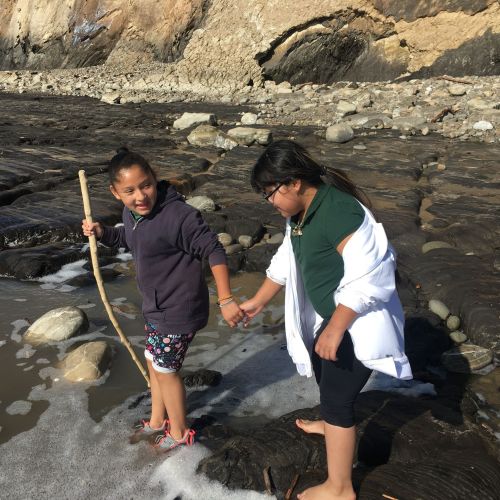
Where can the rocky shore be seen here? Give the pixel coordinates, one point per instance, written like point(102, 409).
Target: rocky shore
point(425, 151)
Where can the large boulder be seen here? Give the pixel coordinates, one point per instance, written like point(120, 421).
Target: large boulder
point(189, 119)
point(88, 362)
point(56, 325)
point(206, 135)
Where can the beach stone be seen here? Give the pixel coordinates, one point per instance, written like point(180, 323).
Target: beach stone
point(453, 322)
point(249, 118)
point(458, 337)
point(374, 123)
point(202, 203)
point(189, 119)
point(87, 362)
point(482, 125)
point(206, 135)
point(439, 308)
point(433, 245)
point(457, 90)
point(247, 135)
point(111, 98)
point(341, 132)
point(478, 104)
point(202, 377)
point(232, 249)
point(225, 239)
point(345, 108)
point(56, 325)
point(275, 239)
point(245, 241)
point(408, 122)
point(466, 358)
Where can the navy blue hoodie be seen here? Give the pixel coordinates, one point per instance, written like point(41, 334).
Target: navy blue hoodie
point(168, 247)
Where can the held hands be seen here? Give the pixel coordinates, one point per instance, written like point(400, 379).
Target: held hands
point(251, 308)
point(328, 343)
point(232, 313)
point(92, 228)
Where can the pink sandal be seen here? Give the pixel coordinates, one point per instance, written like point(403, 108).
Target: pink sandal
point(167, 442)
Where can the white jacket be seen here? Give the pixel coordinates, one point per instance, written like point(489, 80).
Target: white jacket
point(368, 287)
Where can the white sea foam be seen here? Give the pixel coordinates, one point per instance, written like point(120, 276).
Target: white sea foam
point(177, 477)
point(19, 408)
point(18, 325)
point(66, 272)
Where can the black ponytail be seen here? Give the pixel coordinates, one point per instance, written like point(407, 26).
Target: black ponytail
point(285, 161)
point(125, 159)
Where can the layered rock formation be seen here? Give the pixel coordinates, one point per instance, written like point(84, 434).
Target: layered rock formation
point(231, 44)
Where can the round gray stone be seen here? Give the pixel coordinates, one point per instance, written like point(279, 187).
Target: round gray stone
point(56, 325)
point(245, 241)
point(340, 132)
point(433, 245)
point(225, 239)
point(439, 308)
point(87, 362)
point(202, 203)
point(453, 322)
point(458, 337)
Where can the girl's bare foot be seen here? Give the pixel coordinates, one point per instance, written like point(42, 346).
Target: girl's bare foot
point(311, 426)
point(326, 491)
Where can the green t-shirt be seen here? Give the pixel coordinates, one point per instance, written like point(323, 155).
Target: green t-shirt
point(331, 217)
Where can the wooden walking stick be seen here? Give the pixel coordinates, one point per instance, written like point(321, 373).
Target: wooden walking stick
point(98, 277)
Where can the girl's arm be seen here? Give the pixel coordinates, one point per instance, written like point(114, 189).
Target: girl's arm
point(228, 306)
point(342, 318)
point(266, 292)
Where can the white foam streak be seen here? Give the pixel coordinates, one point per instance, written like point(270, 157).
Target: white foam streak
point(66, 272)
point(177, 475)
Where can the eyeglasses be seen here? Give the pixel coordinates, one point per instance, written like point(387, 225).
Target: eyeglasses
point(268, 196)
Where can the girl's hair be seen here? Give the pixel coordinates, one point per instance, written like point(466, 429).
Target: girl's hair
point(285, 161)
point(124, 159)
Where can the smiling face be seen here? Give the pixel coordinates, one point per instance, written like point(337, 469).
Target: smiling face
point(136, 189)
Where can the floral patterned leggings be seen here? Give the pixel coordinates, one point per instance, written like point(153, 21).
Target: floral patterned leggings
point(166, 351)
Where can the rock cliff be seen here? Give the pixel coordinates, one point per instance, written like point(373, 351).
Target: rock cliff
point(233, 43)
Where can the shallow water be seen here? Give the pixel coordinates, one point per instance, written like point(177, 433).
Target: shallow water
point(45, 418)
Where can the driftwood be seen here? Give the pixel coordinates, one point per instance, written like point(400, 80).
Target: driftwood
point(98, 277)
point(442, 114)
point(455, 80)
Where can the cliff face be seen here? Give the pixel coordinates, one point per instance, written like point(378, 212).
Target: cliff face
point(75, 33)
point(230, 43)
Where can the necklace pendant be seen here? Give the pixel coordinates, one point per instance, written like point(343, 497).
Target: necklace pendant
point(297, 231)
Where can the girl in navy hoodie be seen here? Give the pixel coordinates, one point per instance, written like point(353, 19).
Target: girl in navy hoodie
point(168, 240)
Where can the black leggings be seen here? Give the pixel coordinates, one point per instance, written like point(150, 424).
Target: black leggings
point(339, 382)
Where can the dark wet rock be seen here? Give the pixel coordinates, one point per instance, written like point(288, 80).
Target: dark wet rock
point(216, 221)
point(88, 279)
point(202, 377)
point(259, 257)
point(237, 163)
point(397, 436)
point(103, 260)
point(425, 339)
point(25, 263)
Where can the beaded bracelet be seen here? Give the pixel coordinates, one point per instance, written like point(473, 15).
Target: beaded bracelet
point(219, 300)
point(226, 303)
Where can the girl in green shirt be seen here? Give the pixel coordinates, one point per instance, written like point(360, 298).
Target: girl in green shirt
point(323, 210)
